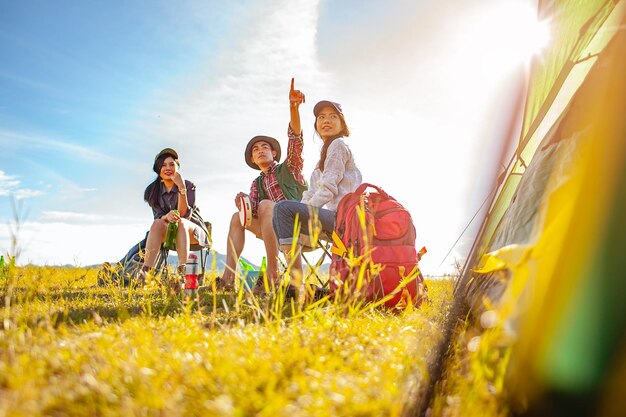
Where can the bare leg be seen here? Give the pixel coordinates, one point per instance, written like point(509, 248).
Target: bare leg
point(182, 242)
point(234, 247)
point(266, 211)
point(191, 227)
point(296, 266)
point(156, 236)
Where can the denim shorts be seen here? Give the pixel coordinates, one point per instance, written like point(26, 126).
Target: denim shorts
point(285, 217)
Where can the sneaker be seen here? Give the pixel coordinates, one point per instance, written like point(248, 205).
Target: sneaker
point(222, 285)
point(320, 292)
point(175, 282)
point(259, 287)
point(175, 285)
point(144, 278)
point(290, 292)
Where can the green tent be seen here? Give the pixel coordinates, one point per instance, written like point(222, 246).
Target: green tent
point(551, 254)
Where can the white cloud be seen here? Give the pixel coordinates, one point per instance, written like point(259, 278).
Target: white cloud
point(14, 140)
point(242, 92)
point(60, 243)
point(10, 186)
point(72, 217)
point(26, 193)
point(7, 183)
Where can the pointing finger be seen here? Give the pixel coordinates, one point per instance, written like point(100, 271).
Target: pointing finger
point(292, 84)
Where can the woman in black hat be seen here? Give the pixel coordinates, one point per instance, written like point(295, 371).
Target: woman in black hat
point(169, 192)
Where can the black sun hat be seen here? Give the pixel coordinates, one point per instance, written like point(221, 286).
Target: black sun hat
point(271, 141)
point(166, 151)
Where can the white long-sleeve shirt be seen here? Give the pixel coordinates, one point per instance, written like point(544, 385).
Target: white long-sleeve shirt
point(340, 177)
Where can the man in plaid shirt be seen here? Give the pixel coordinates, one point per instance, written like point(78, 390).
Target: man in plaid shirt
point(277, 182)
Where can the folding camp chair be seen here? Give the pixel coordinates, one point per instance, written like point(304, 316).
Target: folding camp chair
point(124, 271)
point(323, 243)
point(203, 251)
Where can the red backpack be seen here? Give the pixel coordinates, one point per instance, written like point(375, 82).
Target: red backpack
point(374, 250)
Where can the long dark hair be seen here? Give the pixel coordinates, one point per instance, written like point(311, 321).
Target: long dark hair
point(154, 189)
point(345, 132)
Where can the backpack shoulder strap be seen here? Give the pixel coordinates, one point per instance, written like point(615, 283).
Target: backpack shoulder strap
point(347, 203)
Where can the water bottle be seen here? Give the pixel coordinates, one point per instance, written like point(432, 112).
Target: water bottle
point(248, 273)
point(245, 265)
point(170, 236)
point(263, 268)
point(191, 275)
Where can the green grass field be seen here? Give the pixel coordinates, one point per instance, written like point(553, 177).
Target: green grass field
point(70, 348)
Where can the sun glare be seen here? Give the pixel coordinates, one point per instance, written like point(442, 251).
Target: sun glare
point(528, 35)
point(511, 33)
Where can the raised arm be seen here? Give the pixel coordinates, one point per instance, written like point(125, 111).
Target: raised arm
point(296, 97)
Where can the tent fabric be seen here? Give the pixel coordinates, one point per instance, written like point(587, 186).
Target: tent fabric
point(579, 275)
point(521, 215)
point(580, 31)
point(597, 232)
point(556, 231)
point(520, 223)
point(569, 274)
point(573, 25)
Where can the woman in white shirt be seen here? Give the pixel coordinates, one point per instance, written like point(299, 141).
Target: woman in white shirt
point(335, 175)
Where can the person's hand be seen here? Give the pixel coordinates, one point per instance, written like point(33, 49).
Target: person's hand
point(179, 180)
point(237, 201)
point(296, 97)
point(172, 217)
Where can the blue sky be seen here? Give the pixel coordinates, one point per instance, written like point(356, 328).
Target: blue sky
point(90, 91)
point(77, 74)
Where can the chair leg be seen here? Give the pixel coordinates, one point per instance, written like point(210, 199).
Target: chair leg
point(283, 265)
point(326, 249)
point(204, 256)
point(313, 271)
point(319, 263)
point(161, 262)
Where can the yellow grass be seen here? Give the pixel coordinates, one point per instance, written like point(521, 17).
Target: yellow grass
point(68, 347)
point(473, 381)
